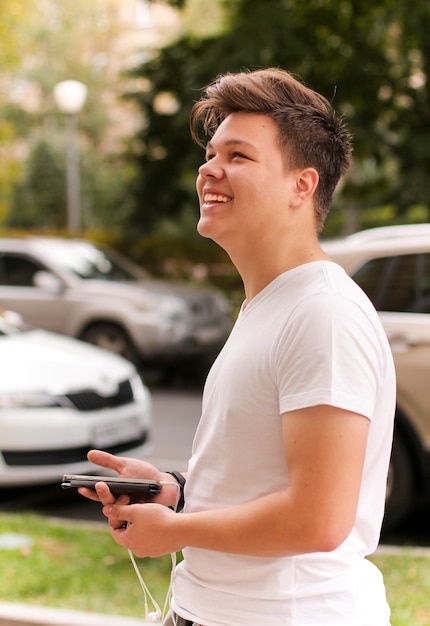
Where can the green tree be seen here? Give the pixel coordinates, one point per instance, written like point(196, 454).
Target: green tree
point(62, 40)
point(370, 59)
point(40, 199)
point(14, 18)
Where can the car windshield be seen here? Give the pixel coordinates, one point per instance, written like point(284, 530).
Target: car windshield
point(91, 262)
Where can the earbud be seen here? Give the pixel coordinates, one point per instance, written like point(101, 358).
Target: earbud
point(155, 616)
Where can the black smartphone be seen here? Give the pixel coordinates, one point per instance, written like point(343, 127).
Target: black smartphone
point(118, 486)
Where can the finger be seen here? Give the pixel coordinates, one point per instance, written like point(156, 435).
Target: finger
point(104, 494)
point(89, 493)
point(120, 525)
point(119, 516)
point(105, 459)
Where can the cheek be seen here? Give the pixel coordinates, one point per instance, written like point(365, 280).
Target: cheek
point(199, 185)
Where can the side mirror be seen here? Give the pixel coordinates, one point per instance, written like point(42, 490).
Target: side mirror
point(12, 317)
point(47, 280)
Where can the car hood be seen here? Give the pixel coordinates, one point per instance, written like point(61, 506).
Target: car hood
point(38, 360)
point(156, 289)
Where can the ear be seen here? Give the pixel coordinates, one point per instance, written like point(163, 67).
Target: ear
point(305, 185)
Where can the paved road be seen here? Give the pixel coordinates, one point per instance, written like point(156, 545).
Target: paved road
point(176, 414)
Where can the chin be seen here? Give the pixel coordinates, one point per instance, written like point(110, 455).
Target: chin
point(213, 229)
point(204, 228)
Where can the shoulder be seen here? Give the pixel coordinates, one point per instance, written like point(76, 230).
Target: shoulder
point(328, 292)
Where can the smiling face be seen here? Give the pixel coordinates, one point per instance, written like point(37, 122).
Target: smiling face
point(244, 187)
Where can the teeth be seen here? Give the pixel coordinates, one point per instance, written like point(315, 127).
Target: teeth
point(214, 197)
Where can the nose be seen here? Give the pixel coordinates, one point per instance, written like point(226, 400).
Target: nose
point(210, 168)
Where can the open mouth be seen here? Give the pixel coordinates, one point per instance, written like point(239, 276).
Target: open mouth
point(215, 197)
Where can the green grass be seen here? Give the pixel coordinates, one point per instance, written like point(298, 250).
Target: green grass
point(75, 566)
point(78, 566)
point(407, 580)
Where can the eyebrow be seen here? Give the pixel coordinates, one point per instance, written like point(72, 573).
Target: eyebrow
point(232, 142)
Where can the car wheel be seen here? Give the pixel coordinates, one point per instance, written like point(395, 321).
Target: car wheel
point(400, 484)
point(111, 337)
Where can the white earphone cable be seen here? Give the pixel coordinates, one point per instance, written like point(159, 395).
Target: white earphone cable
point(158, 615)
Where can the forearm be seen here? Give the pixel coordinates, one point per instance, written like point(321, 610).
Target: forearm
point(279, 524)
point(273, 525)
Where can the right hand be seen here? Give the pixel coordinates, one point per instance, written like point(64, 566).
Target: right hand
point(124, 466)
point(127, 467)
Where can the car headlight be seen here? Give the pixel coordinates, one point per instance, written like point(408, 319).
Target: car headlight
point(21, 399)
point(140, 392)
point(168, 306)
point(172, 307)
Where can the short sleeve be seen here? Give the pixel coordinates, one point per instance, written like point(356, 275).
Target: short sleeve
point(329, 353)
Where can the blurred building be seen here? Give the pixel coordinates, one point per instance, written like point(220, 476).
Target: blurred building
point(95, 42)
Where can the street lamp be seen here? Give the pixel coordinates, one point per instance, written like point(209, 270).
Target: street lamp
point(70, 96)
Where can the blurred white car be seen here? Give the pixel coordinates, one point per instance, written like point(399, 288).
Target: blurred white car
point(60, 397)
point(77, 288)
point(392, 265)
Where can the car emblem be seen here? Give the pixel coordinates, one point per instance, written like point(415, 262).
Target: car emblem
point(107, 387)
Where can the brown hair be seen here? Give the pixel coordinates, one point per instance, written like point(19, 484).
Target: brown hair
point(310, 133)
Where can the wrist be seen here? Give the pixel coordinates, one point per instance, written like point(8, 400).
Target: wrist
point(180, 479)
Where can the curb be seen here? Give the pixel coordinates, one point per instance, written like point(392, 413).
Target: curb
point(12, 614)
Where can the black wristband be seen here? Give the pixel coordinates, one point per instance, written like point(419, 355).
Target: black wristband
point(181, 482)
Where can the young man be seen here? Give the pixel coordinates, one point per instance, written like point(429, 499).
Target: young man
point(286, 483)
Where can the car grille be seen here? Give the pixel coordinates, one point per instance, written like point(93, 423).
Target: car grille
point(63, 456)
point(93, 401)
point(203, 307)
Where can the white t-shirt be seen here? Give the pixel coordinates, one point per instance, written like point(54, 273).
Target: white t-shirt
point(310, 337)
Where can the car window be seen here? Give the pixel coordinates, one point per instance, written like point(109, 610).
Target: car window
point(398, 283)
point(90, 262)
point(17, 270)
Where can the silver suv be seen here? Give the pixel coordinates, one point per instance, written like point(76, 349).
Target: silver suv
point(77, 288)
point(392, 265)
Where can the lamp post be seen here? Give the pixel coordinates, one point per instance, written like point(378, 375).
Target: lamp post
point(70, 96)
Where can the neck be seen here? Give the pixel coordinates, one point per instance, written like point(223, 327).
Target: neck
point(265, 263)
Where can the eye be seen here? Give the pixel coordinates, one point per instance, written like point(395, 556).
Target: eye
point(238, 155)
